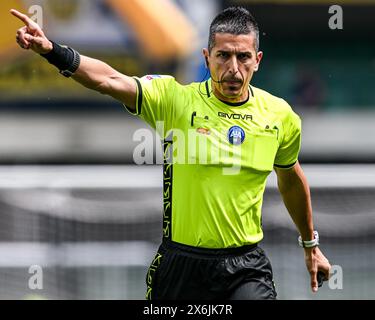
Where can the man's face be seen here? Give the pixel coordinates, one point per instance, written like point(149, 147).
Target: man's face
point(232, 63)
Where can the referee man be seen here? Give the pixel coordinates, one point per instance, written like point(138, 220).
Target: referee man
point(212, 217)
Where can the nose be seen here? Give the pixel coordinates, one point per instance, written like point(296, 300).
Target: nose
point(233, 65)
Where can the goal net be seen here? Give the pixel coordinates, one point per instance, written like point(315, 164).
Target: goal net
point(93, 230)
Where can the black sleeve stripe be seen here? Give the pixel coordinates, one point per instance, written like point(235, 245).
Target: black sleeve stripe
point(138, 106)
point(285, 166)
point(140, 96)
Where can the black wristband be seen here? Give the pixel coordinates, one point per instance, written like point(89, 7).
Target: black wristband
point(66, 59)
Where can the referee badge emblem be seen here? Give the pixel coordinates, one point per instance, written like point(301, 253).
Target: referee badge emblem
point(204, 131)
point(236, 135)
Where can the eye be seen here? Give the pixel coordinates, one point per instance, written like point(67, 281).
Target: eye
point(243, 56)
point(223, 55)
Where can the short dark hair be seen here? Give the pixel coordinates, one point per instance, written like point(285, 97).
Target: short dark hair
point(233, 20)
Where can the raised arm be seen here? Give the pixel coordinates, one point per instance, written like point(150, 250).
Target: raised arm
point(93, 74)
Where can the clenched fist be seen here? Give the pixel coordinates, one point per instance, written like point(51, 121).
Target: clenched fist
point(31, 35)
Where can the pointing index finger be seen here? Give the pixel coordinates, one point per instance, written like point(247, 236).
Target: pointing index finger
point(24, 18)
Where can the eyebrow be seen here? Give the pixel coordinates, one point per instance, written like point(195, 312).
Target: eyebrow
point(239, 52)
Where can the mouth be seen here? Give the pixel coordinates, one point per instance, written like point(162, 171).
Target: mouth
point(233, 85)
point(233, 82)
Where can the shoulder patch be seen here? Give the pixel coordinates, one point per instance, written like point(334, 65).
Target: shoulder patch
point(151, 77)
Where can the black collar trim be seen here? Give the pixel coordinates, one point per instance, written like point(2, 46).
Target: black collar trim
point(233, 104)
point(236, 104)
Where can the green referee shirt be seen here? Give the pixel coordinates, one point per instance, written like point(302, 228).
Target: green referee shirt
point(222, 155)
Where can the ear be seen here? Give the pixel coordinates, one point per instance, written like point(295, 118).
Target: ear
point(259, 58)
point(206, 57)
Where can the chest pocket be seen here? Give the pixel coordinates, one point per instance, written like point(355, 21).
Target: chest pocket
point(201, 142)
point(262, 148)
point(257, 151)
point(203, 122)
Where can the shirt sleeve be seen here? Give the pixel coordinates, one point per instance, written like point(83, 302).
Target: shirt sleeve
point(287, 154)
point(155, 95)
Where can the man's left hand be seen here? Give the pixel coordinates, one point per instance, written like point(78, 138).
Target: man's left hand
point(316, 262)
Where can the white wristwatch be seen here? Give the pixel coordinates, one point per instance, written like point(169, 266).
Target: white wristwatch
point(309, 243)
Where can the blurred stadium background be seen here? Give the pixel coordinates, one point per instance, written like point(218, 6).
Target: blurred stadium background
point(73, 201)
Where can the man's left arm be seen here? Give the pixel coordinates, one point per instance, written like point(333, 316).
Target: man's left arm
point(295, 192)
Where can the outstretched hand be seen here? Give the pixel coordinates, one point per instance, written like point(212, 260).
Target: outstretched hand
point(31, 35)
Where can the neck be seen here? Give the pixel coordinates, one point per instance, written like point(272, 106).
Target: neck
point(236, 104)
point(243, 98)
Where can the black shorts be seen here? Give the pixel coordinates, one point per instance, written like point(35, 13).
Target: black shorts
point(181, 272)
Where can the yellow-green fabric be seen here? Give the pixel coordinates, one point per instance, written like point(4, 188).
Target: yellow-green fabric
point(216, 189)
